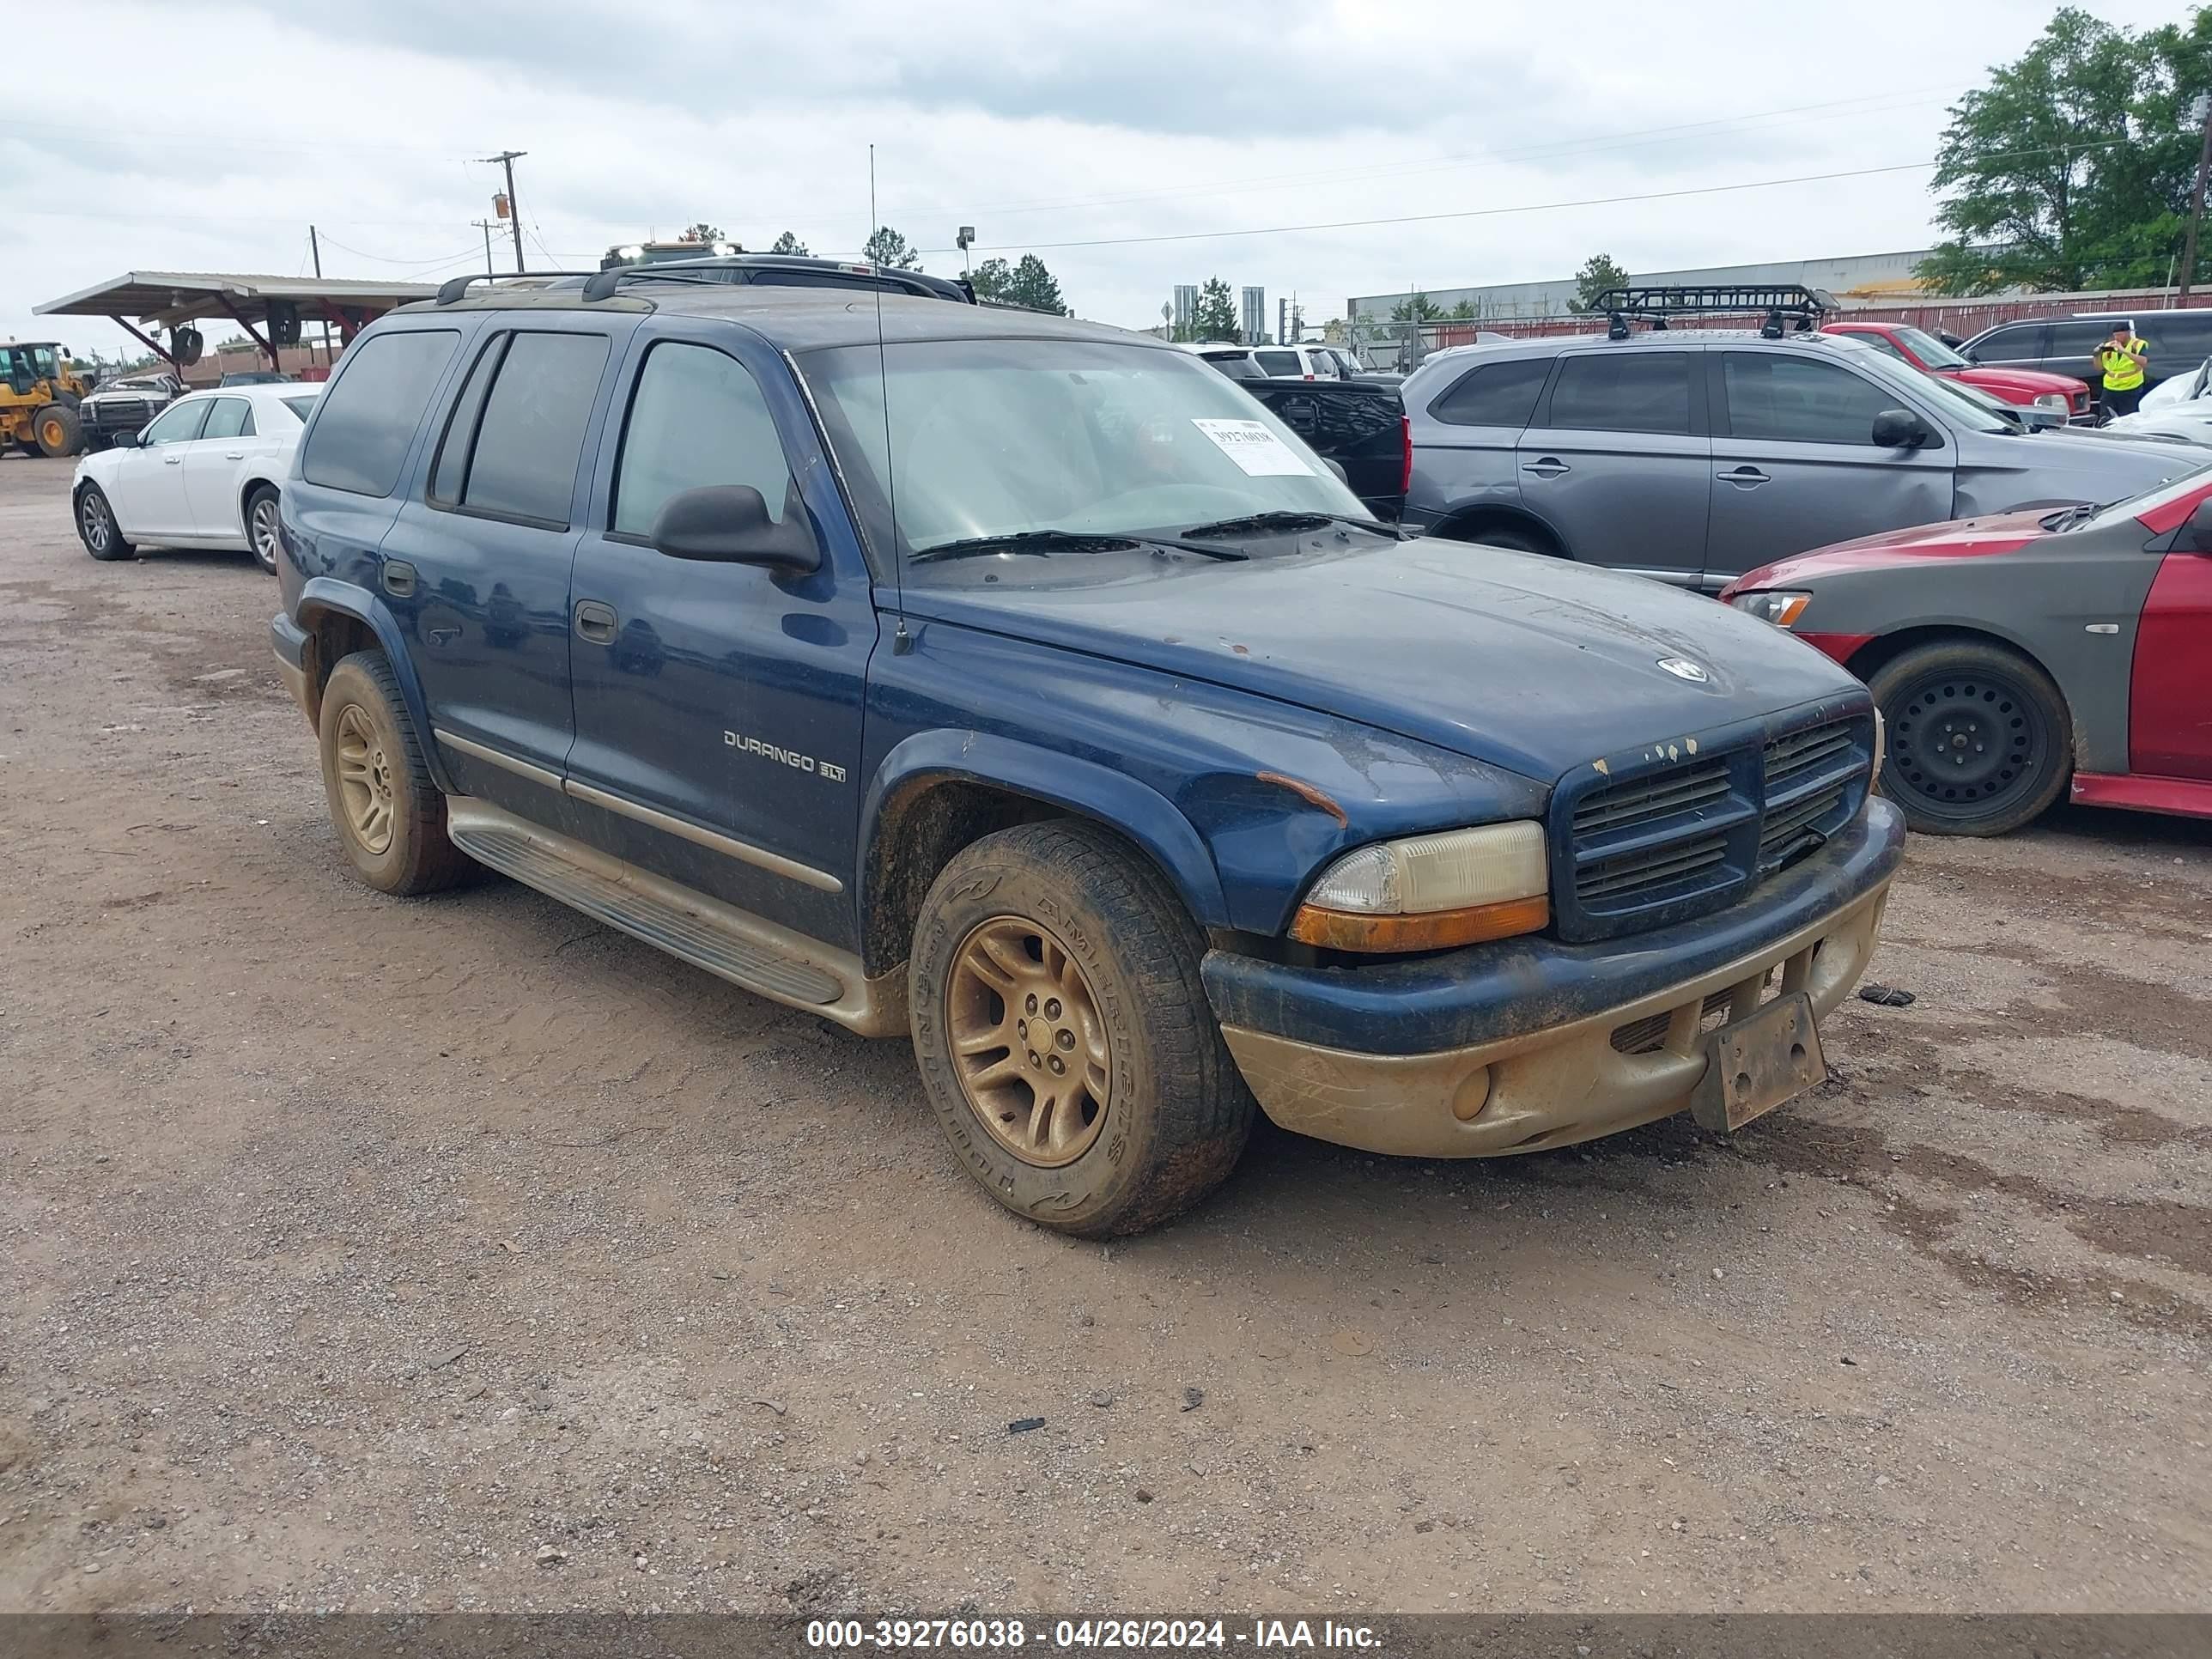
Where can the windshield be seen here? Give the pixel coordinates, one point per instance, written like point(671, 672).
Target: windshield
point(1931, 351)
point(1004, 437)
point(1951, 402)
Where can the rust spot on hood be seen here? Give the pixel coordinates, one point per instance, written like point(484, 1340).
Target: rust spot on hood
point(1306, 792)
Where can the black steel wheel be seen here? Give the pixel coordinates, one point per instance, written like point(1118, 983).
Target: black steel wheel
point(1979, 739)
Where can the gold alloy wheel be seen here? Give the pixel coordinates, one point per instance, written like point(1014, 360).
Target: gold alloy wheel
point(1028, 1044)
point(364, 781)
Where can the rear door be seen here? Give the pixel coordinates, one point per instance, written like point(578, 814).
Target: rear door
point(477, 565)
point(719, 705)
point(2170, 696)
point(1795, 464)
point(148, 487)
point(1618, 461)
point(2072, 349)
point(212, 461)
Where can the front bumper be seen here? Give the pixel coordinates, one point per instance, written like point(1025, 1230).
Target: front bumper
point(1526, 1044)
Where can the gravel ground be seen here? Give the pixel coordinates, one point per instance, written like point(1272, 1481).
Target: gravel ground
point(463, 1253)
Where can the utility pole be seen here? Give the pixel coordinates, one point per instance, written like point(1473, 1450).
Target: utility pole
point(2197, 199)
point(506, 159)
point(315, 248)
point(486, 226)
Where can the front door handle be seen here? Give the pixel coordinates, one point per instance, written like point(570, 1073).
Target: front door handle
point(398, 578)
point(1749, 476)
point(1550, 466)
point(595, 621)
point(173, 460)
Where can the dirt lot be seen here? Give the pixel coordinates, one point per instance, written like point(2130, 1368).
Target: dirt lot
point(354, 1251)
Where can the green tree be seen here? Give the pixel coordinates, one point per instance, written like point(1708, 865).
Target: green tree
point(992, 279)
point(1036, 288)
point(1463, 312)
point(1416, 308)
point(887, 248)
point(788, 243)
point(703, 232)
point(1599, 272)
point(1215, 319)
point(2072, 167)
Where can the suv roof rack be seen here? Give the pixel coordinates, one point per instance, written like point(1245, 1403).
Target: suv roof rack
point(1777, 302)
point(765, 269)
point(451, 290)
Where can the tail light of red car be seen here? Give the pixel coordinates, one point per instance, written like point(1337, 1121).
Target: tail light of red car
point(1405, 455)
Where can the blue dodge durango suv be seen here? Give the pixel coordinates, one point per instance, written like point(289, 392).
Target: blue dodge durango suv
point(1023, 688)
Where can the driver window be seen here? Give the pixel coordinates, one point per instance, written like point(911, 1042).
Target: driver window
point(180, 424)
point(697, 418)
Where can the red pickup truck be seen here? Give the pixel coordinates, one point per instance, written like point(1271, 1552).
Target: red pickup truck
point(2030, 388)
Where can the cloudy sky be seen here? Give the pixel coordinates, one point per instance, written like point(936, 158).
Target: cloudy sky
point(1133, 144)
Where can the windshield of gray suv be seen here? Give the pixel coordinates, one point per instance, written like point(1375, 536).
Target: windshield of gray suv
point(1069, 443)
point(1949, 401)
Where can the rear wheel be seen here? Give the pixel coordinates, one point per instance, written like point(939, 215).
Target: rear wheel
point(1064, 1037)
point(1518, 538)
point(95, 526)
point(1979, 739)
point(58, 430)
point(390, 816)
point(261, 526)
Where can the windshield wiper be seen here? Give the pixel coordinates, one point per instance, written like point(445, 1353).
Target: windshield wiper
point(1042, 542)
point(1265, 524)
point(2067, 517)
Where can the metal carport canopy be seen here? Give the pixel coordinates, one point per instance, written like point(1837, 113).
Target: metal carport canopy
point(170, 299)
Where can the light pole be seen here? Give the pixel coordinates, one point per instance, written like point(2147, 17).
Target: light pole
point(966, 240)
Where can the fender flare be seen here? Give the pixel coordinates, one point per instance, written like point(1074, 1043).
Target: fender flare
point(1509, 512)
point(1087, 788)
point(327, 593)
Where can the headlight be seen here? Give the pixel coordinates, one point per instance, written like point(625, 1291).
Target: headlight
point(1454, 888)
point(1779, 608)
point(2052, 400)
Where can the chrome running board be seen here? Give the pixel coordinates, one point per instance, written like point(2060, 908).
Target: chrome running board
point(729, 943)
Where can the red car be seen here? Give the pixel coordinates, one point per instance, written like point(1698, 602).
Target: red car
point(2012, 656)
point(2031, 388)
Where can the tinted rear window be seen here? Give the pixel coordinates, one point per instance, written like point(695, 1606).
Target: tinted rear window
point(1279, 362)
point(1495, 394)
point(371, 411)
point(523, 465)
point(1632, 390)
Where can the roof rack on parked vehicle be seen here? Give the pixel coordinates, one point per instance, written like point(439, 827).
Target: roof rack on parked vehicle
point(454, 289)
point(1779, 302)
point(769, 268)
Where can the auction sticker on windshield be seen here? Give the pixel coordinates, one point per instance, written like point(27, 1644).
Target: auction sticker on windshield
point(1254, 449)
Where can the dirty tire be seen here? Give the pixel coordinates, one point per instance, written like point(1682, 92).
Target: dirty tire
point(1177, 1114)
point(96, 528)
point(261, 526)
point(1980, 739)
point(58, 430)
point(403, 849)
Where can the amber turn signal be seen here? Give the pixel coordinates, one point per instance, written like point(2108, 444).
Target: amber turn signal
point(1430, 930)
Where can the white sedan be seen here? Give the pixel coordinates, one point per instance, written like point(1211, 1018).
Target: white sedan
point(204, 472)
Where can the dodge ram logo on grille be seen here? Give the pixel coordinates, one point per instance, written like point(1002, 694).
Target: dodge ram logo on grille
point(1683, 669)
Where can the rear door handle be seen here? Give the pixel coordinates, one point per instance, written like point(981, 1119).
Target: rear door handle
point(233, 454)
point(1748, 477)
point(595, 621)
point(1550, 466)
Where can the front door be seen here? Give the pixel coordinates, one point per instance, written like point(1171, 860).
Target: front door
point(1795, 464)
point(718, 706)
point(1618, 461)
point(2170, 697)
point(149, 488)
point(476, 567)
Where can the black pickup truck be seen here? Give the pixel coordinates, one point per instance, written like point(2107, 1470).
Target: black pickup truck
point(1358, 424)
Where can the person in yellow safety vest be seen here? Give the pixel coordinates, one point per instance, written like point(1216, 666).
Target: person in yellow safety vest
point(2121, 360)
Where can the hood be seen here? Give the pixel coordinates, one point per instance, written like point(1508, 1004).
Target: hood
point(1533, 664)
point(2034, 381)
point(2001, 471)
point(1961, 538)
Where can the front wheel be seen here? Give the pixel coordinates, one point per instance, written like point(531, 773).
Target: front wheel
point(1064, 1036)
point(261, 527)
point(96, 527)
point(1980, 742)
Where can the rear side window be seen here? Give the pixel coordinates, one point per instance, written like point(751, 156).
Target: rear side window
point(1794, 400)
point(2011, 344)
point(522, 464)
point(1633, 391)
point(1495, 394)
point(1273, 363)
point(697, 418)
point(230, 417)
point(371, 409)
point(301, 407)
point(2188, 335)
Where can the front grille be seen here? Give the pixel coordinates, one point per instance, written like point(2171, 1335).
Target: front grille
point(1646, 840)
point(121, 414)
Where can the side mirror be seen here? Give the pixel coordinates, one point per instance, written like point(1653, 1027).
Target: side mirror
point(1949, 338)
point(729, 524)
point(1897, 428)
point(2197, 534)
point(130, 440)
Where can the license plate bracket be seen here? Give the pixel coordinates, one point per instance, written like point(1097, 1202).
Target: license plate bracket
point(1755, 1063)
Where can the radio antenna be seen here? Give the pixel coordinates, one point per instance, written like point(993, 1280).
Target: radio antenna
point(901, 641)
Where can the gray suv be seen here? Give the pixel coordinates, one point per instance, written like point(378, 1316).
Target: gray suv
point(1695, 456)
